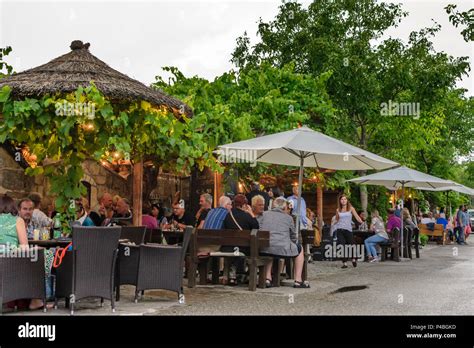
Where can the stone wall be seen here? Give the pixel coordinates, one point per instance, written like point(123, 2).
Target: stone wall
point(13, 180)
point(15, 183)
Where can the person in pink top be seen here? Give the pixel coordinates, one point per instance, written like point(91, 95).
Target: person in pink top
point(393, 220)
point(148, 220)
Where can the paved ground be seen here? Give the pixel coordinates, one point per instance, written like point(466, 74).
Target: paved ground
point(427, 286)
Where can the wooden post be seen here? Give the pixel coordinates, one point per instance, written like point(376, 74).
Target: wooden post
point(137, 192)
point(319, 205)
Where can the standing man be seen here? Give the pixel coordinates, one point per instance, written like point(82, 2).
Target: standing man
point(302, 211)
point(460, 222)
point(205, 204)
point(255, 190)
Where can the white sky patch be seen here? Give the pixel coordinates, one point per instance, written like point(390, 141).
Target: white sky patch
point(138, 38)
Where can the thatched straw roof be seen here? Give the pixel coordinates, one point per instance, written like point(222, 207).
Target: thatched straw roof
point(78, 68)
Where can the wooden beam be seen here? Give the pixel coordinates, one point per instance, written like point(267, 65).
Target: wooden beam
point(319, 205)
point(137, 192)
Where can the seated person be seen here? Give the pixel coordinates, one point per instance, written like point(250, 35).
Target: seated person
point(122, 213)
point(441, 221)
point(240, 217)
point(427, 219)
point(148, 220)
point(13, 236)
point(181, 217)
point(283, 240)
point(82, 216)
point(380, 236)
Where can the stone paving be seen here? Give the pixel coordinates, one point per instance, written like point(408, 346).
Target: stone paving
point(429, 285)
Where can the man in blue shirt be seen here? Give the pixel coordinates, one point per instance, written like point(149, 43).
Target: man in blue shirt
point(215, 218)
point(302, 212)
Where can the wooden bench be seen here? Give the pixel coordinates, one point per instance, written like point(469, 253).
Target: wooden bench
point(255, 240)
point(393, 244)
point(439, 231)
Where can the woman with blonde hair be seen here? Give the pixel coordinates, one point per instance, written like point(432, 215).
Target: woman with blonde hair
point(380, 236)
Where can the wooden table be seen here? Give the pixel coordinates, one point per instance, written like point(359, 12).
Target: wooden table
point(361, 236)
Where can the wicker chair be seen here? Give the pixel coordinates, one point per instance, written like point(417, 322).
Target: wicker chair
point(88, 271)
point(22, 278)
point(161, 267)
point(135, 234)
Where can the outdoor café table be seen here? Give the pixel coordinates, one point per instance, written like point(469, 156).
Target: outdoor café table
point(173, 237)
point(51, 243)
point(361, 235)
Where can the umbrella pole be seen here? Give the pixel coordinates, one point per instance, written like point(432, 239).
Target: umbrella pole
point(401, 215)
point(402, 258)
point(300, 189)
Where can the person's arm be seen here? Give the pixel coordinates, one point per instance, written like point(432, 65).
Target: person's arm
point(293, 235)
point(248, 210)
point(254, 223)
point(43, 219)
point(201, 224)
point(21, 233)
point(354, 214)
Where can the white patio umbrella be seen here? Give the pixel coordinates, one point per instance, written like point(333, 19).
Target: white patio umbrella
point(403, 177)
point(302, 147)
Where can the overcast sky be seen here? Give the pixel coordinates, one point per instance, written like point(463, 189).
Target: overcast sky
point(198, 37)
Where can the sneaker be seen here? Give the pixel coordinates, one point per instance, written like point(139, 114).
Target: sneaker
point(374, 260)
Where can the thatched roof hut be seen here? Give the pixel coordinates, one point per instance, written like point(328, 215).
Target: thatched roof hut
point(78, 68)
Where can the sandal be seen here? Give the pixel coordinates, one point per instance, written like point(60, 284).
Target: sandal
point(268, 283)
point(301, 285)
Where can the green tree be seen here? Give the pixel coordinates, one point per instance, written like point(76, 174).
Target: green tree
point(62, 140)
point(345, 37)
point(465, 18)
point(257, 101)
point(5, 68)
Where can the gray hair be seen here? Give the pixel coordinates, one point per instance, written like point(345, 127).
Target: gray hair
point(207, 197)
point(223, 201)
point(257, 198)
point(280, 203)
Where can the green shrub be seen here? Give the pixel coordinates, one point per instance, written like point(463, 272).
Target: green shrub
point(423, 239)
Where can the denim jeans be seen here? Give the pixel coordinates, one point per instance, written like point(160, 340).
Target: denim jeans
point(459, 233)
point(371, 242)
